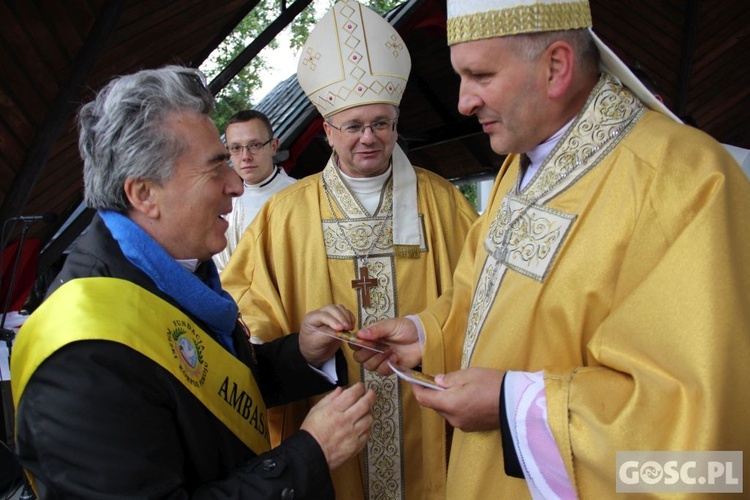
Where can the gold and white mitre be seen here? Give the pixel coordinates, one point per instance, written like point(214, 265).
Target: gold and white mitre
point(470, 20)
point(353, 57)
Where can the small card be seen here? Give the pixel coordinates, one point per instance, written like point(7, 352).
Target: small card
point(352, 339)
point(415, 377)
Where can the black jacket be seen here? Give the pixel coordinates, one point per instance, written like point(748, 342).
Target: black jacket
point(100, 420)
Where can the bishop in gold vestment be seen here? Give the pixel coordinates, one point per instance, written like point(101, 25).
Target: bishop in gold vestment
point(633, 302)
point(603, 295)
point(371, 232)
point(294, 257)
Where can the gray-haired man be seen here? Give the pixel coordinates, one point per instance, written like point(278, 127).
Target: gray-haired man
point(134, 378)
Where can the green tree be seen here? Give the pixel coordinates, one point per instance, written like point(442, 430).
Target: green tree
point(238, 94)
point(471, 193)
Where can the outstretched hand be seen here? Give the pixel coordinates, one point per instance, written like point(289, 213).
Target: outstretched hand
point(471, 401)
point(341, 422)
point(403, 341)
point(316, 347)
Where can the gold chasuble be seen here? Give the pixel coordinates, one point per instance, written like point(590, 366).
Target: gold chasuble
point(82, 309)
point(622, 271)
point(314, 244)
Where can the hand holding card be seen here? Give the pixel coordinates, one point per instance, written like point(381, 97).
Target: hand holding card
point(352, 339)
point(415, 377)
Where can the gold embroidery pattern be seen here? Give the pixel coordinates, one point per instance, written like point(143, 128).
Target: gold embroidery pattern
point(395, 45)
point(537, 232)
point(384, 454)
point(383, 296)
point(521, 19)
point(391, 85)
point(487, 286)
point(610, 112)
point(311, 59)
point(384, 466)
point(385, 207)
point(361, 233)
point(535, 236)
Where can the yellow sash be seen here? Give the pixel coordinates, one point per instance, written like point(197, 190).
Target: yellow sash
point(119, 311)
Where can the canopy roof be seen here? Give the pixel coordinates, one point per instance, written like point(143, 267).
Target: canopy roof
point(54, 55)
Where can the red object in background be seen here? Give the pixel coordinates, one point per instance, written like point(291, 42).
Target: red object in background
point(25, 276)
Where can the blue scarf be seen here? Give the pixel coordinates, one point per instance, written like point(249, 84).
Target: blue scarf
point(207, 301)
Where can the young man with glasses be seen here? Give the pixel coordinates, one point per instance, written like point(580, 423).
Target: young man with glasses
point(251, 146)
point(371, 232)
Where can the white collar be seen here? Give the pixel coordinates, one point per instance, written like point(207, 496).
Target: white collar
point(539, 153)
point(366, 185)
point(265, 181)
point(189, 264)
point(542, 151)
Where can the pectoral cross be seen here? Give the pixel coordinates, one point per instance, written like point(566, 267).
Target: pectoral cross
point(364, 283)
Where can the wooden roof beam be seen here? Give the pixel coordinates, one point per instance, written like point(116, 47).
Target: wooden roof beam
point(686, 59)
point(233, 68)
point(62, 107)
point(225, 32)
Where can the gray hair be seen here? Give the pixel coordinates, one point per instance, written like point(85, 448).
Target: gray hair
point(121, 134)
point(529, 46)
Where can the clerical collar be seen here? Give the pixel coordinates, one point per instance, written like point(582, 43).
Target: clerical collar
point(406, 221)
point(366, 185)
point(366, 190)
point(539, 153)
point(267, 180)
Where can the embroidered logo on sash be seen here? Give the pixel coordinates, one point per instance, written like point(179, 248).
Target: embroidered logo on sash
point(187, 348)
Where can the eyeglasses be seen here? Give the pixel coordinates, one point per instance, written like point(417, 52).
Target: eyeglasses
point(358, 128)
point(255, 147)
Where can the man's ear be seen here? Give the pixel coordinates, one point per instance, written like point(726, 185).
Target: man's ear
point(142, 197)
point(327, 129)
point(560, 58)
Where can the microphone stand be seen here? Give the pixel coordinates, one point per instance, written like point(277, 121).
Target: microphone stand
point(7, 334)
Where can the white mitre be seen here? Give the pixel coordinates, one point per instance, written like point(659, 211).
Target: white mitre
point(470, 20)
point(353, 57)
